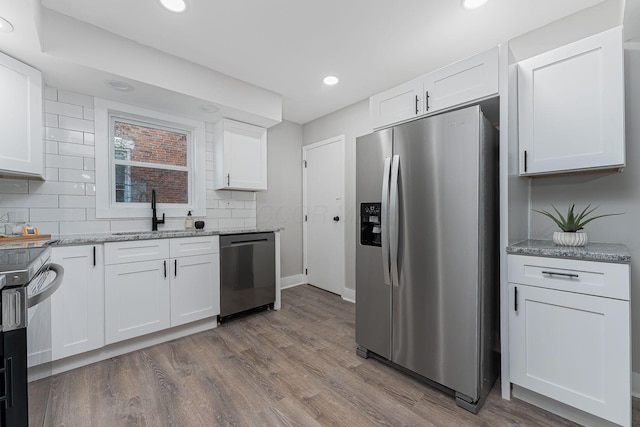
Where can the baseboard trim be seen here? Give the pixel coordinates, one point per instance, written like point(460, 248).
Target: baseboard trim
point(559, 408)
point(635, 384)
point(349, 294)
point(119, 348)
point(291, 281)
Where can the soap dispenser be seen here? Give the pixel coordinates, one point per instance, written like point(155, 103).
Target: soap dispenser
point(188, 223)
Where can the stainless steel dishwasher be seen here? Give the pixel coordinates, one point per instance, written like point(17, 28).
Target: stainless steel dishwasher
point(247, 272)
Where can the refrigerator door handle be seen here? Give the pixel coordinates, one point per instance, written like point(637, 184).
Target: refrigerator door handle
point(393, 219)
point(384, 211)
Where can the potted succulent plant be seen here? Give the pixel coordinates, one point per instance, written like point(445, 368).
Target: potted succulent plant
point(572, 225)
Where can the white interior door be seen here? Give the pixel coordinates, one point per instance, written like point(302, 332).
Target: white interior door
point(324, 214)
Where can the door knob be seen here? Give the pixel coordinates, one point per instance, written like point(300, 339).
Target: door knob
point(336, 218)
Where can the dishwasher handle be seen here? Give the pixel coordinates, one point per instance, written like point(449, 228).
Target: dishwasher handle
point(247, 242)
point(236, 240)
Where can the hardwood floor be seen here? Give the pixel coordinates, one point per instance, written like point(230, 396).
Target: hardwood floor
point(292, 367)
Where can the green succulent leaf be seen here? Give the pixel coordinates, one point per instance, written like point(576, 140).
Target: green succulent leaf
point(573, 222)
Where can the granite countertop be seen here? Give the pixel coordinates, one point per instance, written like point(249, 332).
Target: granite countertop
point(93, 238)
point(604, 252)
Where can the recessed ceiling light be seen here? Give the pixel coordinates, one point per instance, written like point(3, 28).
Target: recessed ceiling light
point(473, 4)
point(177, 6)
point(209, 108)
point(118, 85)
point(5, 26)
point(331, 80)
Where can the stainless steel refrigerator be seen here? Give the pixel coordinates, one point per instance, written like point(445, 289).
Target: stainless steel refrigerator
point(427, 252)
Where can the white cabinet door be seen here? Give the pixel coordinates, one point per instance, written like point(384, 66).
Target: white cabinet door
point(471, 79)
point(465, 81)
point(195, 288)
point(137, 299)
point(571, 107)
point(398, 104)
point(77, 307)
point(240, 152)
point(20, 119)
point(573, 348)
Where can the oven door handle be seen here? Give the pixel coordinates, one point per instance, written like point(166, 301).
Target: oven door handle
point(49, 290)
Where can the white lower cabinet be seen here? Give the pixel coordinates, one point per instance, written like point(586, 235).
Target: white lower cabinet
point(193, 294)
point(137, 299)
point(142, 297)
point(569, 346)
point(77, 307)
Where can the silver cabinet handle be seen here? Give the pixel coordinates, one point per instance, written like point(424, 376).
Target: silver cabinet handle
point(555, 273)
point(384, 211)
point(393, 220)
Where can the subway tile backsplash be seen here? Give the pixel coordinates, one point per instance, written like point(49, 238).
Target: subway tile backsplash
point(65, 202)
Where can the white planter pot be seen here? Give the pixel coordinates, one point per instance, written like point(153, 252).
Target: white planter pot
point(562, 238)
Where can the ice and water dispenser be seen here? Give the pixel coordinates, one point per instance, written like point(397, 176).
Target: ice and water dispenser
point(370, 231)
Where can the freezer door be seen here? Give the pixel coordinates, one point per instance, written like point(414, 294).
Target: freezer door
point(435, 303)
point(373, 295)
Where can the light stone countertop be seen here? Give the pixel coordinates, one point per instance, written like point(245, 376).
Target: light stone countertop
point(95, 238)
point(603, 252)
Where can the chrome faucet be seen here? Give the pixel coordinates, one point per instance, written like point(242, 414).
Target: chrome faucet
point(154, 219)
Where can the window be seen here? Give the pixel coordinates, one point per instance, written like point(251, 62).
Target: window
point(138, 151)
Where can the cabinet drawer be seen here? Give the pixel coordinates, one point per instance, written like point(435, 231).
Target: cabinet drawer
point(585, 277)
point(187, 246)
point(134, 251)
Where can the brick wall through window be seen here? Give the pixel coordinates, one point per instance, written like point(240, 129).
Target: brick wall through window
point(150, 145)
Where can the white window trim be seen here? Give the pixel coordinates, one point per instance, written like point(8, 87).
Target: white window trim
point(105, 195)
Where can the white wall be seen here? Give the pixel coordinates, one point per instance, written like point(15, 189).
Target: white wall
point(65, 203)
point(613, 192)
point(281, 204)
point(352, 121)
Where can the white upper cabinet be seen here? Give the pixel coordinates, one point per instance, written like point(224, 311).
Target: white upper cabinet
point(468, 80)
point(395, 105)
point(571, 107)
point(240, 156)
point(465, 81)
point(20, 119)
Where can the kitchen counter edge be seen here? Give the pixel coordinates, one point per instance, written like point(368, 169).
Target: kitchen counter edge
point(601, 252)
point(96, 238)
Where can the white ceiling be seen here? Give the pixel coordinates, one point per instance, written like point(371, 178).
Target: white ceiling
point(288, 46)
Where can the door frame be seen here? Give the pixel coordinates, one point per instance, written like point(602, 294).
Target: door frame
point(340, 139)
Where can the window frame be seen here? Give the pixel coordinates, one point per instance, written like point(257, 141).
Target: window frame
point(106, 114)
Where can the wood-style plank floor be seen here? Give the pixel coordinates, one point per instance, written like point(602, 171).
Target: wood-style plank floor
point(292, 367)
